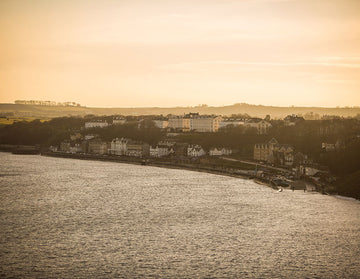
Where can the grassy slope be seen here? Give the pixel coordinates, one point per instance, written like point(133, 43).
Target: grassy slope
point(253, 110)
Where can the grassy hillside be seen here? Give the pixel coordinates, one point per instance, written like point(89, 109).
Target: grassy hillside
point(253, 110)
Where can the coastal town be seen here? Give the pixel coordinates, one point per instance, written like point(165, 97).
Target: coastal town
point(299, 151)
point(277, 164)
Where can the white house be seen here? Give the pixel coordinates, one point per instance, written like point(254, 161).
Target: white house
point(220, 151)
point(205, 123)
point(96, 124)
point(195, 151)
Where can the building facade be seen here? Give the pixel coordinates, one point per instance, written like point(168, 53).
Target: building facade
point(220, 151)
point(118, 146)
point(96, 124)
point(97, 146)
point(261, 126)
point(275, 153)
point(195, 151)
point(262, 151)
point(205, 123)
point(179, 123)
point(137, 149)
point(160, 151)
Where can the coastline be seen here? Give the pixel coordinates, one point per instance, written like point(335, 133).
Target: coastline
point(177, 164)
point(157, 163)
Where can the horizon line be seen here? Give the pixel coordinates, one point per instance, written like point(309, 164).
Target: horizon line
point(200, 105)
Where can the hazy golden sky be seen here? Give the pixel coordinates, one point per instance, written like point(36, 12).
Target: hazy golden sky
point(129, 53)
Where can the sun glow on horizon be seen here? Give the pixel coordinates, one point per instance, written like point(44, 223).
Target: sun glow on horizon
point(184, 53)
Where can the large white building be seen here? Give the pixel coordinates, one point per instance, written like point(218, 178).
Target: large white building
point(96, 124)
point(205, 123)
point(195, 122)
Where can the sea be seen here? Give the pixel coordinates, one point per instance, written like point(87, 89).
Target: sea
point(67, 218)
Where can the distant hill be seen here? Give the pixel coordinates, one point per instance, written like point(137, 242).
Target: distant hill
point(20, 110)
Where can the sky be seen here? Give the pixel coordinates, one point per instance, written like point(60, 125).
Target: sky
point(166, 53)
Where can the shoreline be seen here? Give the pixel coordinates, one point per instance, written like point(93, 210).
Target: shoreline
point(148, 162)
point(181, 166)
point(163, 164)
point(184, 166)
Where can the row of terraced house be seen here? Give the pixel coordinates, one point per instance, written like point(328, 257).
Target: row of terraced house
point(194, 122)
point(129, 147)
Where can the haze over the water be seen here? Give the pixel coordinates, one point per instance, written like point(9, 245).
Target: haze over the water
point(138, 53)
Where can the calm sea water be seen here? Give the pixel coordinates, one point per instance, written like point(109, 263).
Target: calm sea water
point(64, 218)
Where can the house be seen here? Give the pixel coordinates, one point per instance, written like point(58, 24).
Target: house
point(300, 158)
point(263, 150)
point(96, 146)
point(195, 151)
point(275, 153)
point(118, 146)
point(137, 149)
point(220, 151)
point(96, 124)
point(282, 154)
point(261, 126)
point(160, 151)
